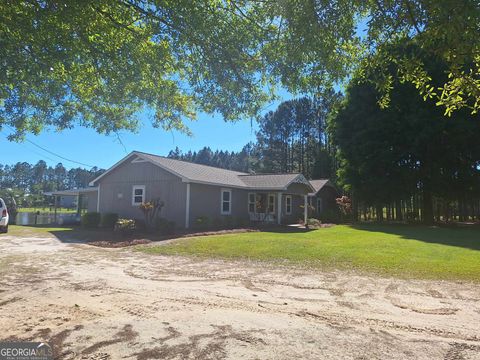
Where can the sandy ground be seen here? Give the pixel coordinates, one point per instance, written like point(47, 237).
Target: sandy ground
point(95, 303)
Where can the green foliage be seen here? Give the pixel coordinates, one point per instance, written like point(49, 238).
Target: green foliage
point(330, 216)
point(391, 154)
point(101, 63)
point(151, 210)
point(322, 45)
point(91, 219)
point(164, 226)
point(313, 223)
point(108, 220)
point(202, 222)
point(293, 138)
point(125, 226)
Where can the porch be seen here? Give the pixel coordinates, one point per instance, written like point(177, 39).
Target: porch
point(276, 207)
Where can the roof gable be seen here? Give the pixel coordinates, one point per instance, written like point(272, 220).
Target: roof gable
point(320, 184)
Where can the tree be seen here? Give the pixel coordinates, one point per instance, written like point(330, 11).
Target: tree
point(293, 138)
point(324, 42)
point(409, 149)
point(100, 64)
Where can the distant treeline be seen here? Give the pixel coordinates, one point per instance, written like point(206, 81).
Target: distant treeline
point(293, 138)
point(23, 179)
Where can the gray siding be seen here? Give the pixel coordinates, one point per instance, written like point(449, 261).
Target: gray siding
point(205, 200)
point(328, 194)
point(116, 190)
point(91, 199)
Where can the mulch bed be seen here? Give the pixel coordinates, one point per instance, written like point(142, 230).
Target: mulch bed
point(148, 238)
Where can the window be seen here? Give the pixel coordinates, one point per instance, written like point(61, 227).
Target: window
point(271, 203)
point(251, 203)
point(319, 205)
point(138, 195)
point(226, 201)
point(288, 204)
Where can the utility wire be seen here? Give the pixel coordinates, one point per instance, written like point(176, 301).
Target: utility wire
point(53, 153)
point(31, 150)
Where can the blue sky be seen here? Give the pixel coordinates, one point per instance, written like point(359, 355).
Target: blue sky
point(86, 146)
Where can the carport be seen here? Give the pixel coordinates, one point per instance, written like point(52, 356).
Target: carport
point(81, 194)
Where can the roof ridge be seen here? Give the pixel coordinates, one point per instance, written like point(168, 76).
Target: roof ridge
point(263, 174)
point(239, 173)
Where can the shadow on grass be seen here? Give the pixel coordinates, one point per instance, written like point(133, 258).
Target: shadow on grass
point(467, 236)
point(83, 235)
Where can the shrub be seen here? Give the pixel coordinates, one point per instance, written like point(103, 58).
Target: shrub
point(124, 226)
point(202, 222)
point(329, 216)
point(217, 223)
point(314, 223)
point(241, 222)
point(164, 226)
point(91, 219)
point(228, 222)
point(108, 220)
point(140, 224)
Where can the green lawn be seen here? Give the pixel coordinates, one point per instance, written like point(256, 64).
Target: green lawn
point(405, 251)
point(47, 210)
point(45, 231)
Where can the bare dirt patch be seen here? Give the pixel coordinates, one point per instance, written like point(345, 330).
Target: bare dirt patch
point(93, 303)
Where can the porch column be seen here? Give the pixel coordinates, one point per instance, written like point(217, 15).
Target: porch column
point(55, 210)
point(187, 208)
point(98, 199)
point(305, 208)
point(279, 208)
point(79, 204)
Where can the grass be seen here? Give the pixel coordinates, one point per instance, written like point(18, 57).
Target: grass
point(40, 231)
point(396, 250)
point(47, 210)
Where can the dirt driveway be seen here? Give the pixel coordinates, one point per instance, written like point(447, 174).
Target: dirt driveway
point(93, 303)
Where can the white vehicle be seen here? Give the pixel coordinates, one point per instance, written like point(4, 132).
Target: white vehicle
point(3, 217)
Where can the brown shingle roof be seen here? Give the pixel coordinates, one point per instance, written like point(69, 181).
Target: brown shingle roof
point(197, 173)
point(319, 184)
point(269, 181)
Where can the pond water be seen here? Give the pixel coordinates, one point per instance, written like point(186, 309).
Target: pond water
point(31, 218)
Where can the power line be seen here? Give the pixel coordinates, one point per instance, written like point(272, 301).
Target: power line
point(29, 149)
point(53, 153)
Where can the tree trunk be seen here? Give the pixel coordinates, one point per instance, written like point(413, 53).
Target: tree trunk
point(427, 207)
point(379, 211)
point(398, 210)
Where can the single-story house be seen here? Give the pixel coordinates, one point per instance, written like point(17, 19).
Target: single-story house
point(191, 192)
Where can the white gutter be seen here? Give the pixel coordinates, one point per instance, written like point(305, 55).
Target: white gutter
point(187, 208)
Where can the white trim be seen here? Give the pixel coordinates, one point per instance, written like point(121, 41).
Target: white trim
point(269, 203)
point(250, 203)
point(319, 202)
point(223, 190)
point(98, 199)
point(305, 209)
point(141, 158)
point(187, 208)
point(279, 208)
point(287, 198)
point(139, 155)
point(137, 187)
point(138, 160)
point(303, 180)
